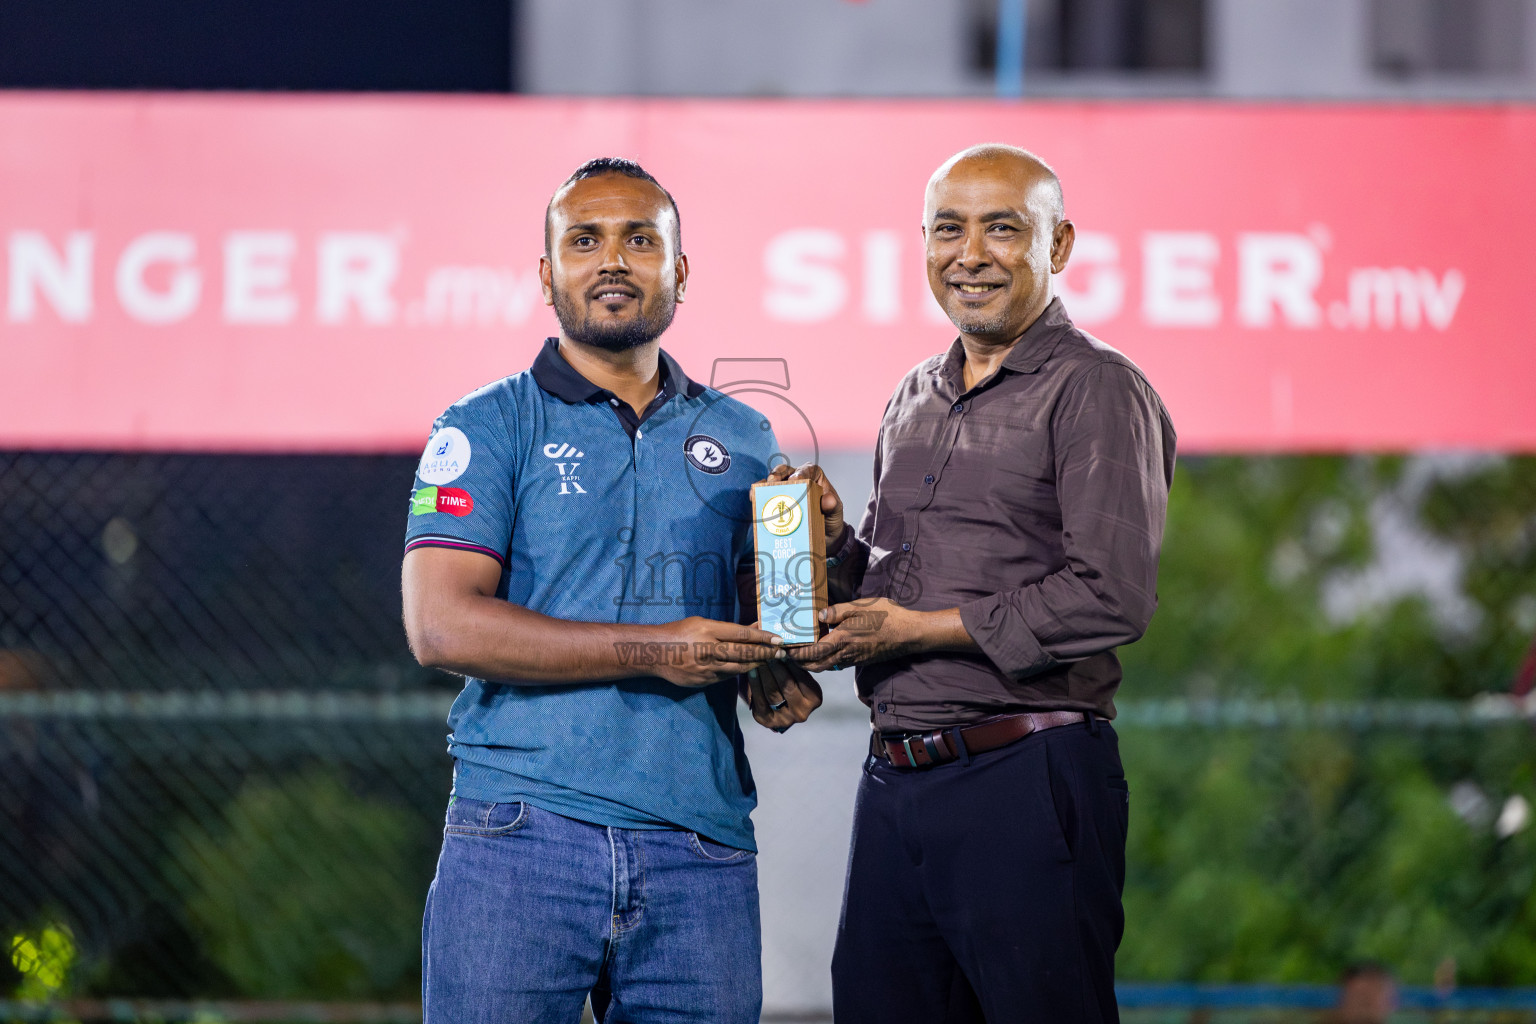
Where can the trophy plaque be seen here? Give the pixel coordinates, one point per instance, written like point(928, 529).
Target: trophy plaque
point(791, 549)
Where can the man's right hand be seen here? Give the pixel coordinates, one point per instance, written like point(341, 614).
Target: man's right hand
point(780, 694)
point(831, 504)
point(702, 652)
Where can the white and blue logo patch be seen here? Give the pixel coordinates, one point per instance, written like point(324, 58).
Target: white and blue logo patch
point(446, 457)
point(706, 454)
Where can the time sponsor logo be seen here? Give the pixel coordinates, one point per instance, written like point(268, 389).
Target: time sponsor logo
point(455, 501)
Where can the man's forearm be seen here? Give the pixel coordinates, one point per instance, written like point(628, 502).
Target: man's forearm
point(488, 638)
point(943, 631)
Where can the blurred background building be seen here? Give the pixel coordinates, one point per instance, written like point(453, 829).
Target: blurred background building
point(221, 772)
point(1216, 49)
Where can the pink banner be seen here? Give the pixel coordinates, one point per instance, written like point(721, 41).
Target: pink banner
point(260, 273)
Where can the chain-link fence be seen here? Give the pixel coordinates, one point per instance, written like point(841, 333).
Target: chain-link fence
point(219, 767)
point(171, 572)
point(222, 775)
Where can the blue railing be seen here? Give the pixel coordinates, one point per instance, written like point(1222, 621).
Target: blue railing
point(1145, 996)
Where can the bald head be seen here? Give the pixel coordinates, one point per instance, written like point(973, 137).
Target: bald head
point(994, 233)
point(1032, 174)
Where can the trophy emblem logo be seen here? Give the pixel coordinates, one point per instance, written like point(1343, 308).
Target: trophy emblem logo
point(783, 516)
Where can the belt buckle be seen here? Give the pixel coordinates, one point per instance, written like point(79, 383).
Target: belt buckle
point(931, 743)
point(937, 749)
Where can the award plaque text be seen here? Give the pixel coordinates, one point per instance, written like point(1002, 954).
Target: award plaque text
point(791, 559)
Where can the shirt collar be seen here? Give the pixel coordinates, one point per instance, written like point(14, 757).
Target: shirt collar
point(678, 379)
point(552, 373)
point(1037, 343)
point(1027, 355)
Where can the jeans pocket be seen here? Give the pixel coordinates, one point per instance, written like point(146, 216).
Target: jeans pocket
point(713, 851)
point(467, 817)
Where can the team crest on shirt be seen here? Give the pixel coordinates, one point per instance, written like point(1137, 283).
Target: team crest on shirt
point(706, 454)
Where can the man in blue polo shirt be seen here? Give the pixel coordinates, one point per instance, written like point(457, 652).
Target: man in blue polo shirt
point(574, 543)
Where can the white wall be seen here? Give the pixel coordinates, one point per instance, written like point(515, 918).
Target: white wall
point(1321, 49)
point(744, 47)
point(1295, 48)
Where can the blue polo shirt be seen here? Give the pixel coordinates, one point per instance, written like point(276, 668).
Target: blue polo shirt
point(599, 515)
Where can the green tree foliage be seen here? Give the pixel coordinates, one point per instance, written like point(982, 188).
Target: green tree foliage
point(1283, 854)
point(1256, 854)
point(44, 958)
point(306, 891)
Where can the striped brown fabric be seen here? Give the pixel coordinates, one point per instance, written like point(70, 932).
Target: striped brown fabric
point(1035, 503)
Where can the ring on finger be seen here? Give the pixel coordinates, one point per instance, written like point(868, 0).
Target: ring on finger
point(781, 704)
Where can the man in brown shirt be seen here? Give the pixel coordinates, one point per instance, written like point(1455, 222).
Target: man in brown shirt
point(1009, 545)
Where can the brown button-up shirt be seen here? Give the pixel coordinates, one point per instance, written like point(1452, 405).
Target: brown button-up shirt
point(1035, 503)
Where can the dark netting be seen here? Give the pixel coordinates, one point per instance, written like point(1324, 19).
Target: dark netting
point(238, 857)
point(222, 775)
point(169, 572)
point(220, 769)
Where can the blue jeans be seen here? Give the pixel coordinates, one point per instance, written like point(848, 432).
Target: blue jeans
point(530, 912)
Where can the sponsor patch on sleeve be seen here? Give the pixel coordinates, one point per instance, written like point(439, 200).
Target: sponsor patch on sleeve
point(446, 457)
point(453, 500)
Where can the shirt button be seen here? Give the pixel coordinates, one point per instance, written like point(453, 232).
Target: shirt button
point(928, 479)
point(880, 708)
point(639, 435)
point(905, 546)
point(613, 402)
point(959, 407)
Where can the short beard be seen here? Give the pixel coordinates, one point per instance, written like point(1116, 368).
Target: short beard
point(979, 327)
point(638, 330)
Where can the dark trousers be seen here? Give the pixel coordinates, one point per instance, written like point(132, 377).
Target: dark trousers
point(989, 890)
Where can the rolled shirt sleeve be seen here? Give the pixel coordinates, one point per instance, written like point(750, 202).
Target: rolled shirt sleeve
point(1113, 465)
